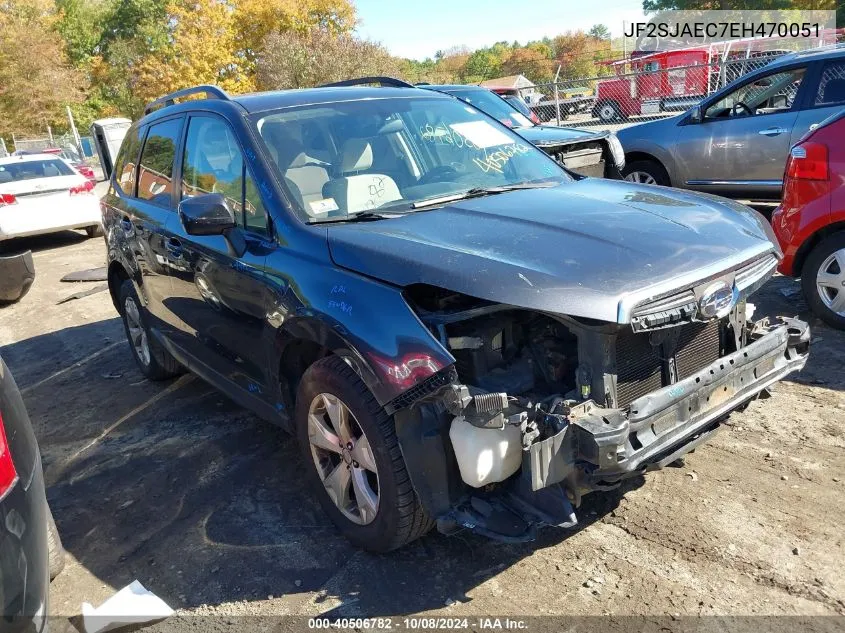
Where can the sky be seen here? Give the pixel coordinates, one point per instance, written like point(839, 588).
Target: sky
point(419, 29)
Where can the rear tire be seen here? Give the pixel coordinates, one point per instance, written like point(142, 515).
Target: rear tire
point(646, 172)
point(824, 272)
point(55, 550)
point(395, 517)
point(94, 231)
point(155, 362)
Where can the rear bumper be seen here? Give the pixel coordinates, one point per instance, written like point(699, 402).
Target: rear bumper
point(601, 446)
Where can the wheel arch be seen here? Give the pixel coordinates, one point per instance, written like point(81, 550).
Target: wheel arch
point(811, 242)
point(116, 275)
point(641, 155)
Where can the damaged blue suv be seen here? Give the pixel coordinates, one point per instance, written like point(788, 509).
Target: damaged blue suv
point(458, 330)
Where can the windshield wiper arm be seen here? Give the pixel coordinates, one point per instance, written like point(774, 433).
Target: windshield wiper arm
point(364, 216)
point(478, 192)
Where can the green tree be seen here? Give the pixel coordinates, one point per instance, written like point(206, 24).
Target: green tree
point(599, 32)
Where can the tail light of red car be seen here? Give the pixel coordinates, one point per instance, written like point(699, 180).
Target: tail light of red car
point(7, 199)
point(807, 174)
point(8, 474)
point(86, 187)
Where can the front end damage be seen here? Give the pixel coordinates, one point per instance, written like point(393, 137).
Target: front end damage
point(540, 409)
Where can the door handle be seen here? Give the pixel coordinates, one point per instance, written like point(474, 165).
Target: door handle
point(773, 131)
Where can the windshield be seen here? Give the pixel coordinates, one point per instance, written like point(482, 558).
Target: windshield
point(494, 105)
point(395, 155)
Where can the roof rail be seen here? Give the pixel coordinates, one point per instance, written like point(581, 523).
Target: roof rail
point(210, 92)
point(391, 82)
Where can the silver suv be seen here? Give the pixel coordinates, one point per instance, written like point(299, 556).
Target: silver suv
point(735, 142)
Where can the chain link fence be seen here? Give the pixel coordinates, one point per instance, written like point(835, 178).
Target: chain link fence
point(614, 101)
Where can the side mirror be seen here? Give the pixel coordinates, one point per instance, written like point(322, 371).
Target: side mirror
point(695, 114)
point(207, 214)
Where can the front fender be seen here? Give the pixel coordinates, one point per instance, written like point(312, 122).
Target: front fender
point(366, 322)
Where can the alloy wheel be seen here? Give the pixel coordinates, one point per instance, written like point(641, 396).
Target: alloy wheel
point(343, 458)
point(641, 177)
point(830, 282)
point(137, 333)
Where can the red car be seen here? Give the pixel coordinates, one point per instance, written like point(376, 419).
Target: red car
point(810, 221)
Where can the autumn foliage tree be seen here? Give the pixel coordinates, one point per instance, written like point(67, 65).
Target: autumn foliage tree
point(297, 60)
point(36, 80)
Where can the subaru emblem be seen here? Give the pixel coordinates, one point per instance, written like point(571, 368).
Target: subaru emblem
point(717, 300)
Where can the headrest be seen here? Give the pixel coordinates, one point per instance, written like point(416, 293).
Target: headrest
point(357, 156)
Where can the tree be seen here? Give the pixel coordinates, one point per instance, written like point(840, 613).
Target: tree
point(254, 20)
point(599, 32)
point(530, 62)
point(201, 49)
point(296, 60)
point(36, 81)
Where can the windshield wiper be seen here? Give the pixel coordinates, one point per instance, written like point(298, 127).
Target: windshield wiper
point(478, 192)
point(364, 216)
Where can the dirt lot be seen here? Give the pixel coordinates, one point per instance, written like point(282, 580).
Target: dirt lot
point(176, 486)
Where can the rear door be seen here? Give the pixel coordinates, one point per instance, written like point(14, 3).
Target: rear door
point(826, 97)
point(146, 215)
point(220, 298)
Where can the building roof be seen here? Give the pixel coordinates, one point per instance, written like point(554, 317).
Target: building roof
point(511, 81)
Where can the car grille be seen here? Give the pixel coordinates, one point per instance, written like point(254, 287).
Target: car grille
point(639, 365)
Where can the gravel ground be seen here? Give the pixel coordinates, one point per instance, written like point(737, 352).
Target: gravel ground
point(174, 485)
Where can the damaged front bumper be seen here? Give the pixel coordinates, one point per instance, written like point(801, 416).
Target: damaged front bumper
point(600, 447)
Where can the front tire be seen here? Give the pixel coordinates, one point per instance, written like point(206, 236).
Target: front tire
point(823, 280)
point(155, 362)
point(353, 461)
point(94, 231)
point(646, 172)
point(609, 111)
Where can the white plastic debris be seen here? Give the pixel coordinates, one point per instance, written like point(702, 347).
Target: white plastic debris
point(131, 605)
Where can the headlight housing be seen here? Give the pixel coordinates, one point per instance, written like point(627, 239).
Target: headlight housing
point(616, 150)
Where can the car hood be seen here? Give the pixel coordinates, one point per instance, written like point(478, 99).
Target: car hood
point(648, 130)
point(544, 135)
point(583, 248)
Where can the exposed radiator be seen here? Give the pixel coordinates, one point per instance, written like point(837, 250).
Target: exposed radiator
point(639, 365)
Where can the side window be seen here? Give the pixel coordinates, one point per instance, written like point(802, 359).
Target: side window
point(155, 177)
point(768, 94)
point(831, 85)
point(213, 163)
point(127, 161)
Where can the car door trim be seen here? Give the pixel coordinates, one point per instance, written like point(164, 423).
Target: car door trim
point(744, 183)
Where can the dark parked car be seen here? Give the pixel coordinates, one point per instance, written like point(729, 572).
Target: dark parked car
point(456, 328)
point(735, 142)
point(30, 550)
point(585, 152)
point(810, 221)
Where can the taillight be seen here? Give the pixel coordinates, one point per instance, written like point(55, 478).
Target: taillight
point(808, 161)
point(86, 187)
point(8, 475)
point(807, 176)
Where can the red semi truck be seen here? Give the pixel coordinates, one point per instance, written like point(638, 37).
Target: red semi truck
point(675, 80)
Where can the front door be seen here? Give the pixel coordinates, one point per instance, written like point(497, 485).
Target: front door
point(220, 296)
point(739, 148)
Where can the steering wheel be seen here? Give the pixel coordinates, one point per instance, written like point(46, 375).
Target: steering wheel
point(739, 105)
point(438, 174)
